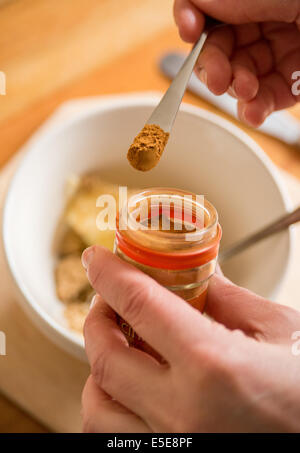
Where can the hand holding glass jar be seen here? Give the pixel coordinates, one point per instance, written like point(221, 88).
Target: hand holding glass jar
point(236, 373)
point(174, 237)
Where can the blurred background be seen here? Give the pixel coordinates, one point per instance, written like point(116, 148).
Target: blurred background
point(55, 50)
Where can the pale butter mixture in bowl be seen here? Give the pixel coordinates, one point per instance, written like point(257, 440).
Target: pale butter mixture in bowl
point(44, 228)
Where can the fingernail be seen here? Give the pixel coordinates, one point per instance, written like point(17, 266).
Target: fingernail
point(232, 91)
point(87, 256)
point(242, 112)
point(203, 76)
point(93, 301)
point(190, 17)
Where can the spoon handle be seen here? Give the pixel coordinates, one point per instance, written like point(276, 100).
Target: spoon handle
point(279, 225)
point(165, 113)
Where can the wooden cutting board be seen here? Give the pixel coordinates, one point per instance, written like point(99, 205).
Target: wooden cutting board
point(35, 374)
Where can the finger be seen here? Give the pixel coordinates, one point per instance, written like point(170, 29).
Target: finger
point(273, 94)
point(286, 68)
point(248, 63)
point(101, 414)
point(246, 34)
point(149, 308)
point(128, 375)
point(256, 111)
point(213, 66)
point(245, 85)
point(189, 19)
point(238, 308)
point(261, 55)
point(240, 12)
point(282, 38)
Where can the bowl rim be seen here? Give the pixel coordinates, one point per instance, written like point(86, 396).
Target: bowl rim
point(69, 114)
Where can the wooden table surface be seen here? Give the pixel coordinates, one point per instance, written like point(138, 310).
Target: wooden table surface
point(14, 420)
point(133, 68)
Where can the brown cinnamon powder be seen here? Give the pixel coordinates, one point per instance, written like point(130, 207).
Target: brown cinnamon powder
point(147, 147)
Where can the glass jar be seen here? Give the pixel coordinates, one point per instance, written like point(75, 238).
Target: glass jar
point(173, 236)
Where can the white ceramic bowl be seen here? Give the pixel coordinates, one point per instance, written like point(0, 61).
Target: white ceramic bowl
point(205, 154)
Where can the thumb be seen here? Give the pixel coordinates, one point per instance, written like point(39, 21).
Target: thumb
point(238, 308)
point(247, 11)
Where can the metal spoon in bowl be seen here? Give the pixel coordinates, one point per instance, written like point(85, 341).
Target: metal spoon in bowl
point(275, 227)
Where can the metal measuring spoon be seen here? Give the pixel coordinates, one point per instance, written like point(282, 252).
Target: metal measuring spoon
point(165, 113)
point(148, 146)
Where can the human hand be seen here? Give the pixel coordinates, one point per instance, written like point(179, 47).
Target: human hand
point(254, 58)
point(236, 373)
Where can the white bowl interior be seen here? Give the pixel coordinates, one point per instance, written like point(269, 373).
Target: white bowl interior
point(201, 156)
